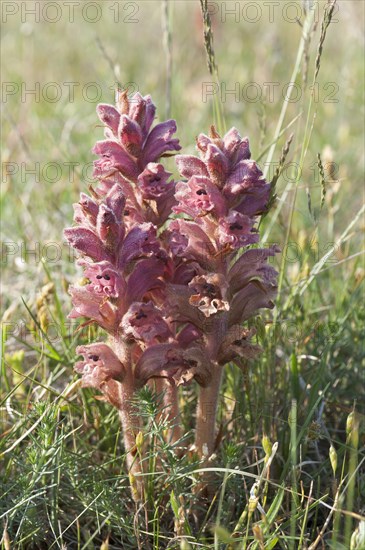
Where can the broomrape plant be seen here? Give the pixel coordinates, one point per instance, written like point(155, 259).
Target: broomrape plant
point(173, 271)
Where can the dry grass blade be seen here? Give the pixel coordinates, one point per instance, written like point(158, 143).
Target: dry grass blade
point(212, 65)
point(306, 56)
point(108, 59)
point(278, 171)
point(325, 24)
point(325, 525)
point(208, 37)
point(317, 267)
point(322, 181)
point(167, 44)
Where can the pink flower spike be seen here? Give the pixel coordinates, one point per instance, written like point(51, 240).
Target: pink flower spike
point(252, 297)
point(91, 305)
point(237, 148)
point(110, 231)
point(253, 265)
point(237, 344)
point(178, 242)
point(246, 175)
point(188, 334)
point(89, 207)
point(145, 277)
point(142, 110)
point(187, 239)
point(86, 242)
point(202, 142)
point(80, 218)
point(172, 362)
point(217, 164)
point(116, 200)
point(253, 202)
point(141, 242)
point(149, 114)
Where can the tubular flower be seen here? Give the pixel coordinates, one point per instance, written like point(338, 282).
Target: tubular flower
point(144, 322)
point(99, 366)
point(235, 231)
point(209, 293)
point(104, 279)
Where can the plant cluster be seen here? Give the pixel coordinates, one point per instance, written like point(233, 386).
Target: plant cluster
point(172, 269)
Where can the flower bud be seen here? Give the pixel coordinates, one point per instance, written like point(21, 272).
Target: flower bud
point(139, 441)
point(358, 537)
point(267, 446)
point(333, 459)
point(252, 504)
point(350, 423)
point(133, 485)
point(258, 533)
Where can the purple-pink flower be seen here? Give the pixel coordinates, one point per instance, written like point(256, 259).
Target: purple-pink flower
point(99, 365)
point(209, 293)
point(145, 322)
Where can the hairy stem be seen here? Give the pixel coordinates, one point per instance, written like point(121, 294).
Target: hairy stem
point(131, 424)
point(206, 415)
point(172, 411)
point(169, 409)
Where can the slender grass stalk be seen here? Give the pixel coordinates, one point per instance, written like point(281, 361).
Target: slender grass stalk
point(305, 144)
point(303, 285)
point(306, 29)
point(167, 7)
point(220, 509)
point(306, 139)
point(277, 175)
point(319, 538)
point(339, 498)
point(212, 66)
point(293, 460)
point(305, 518)
point(353, 440)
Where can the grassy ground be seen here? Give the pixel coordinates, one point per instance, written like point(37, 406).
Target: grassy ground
point(63, 482)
